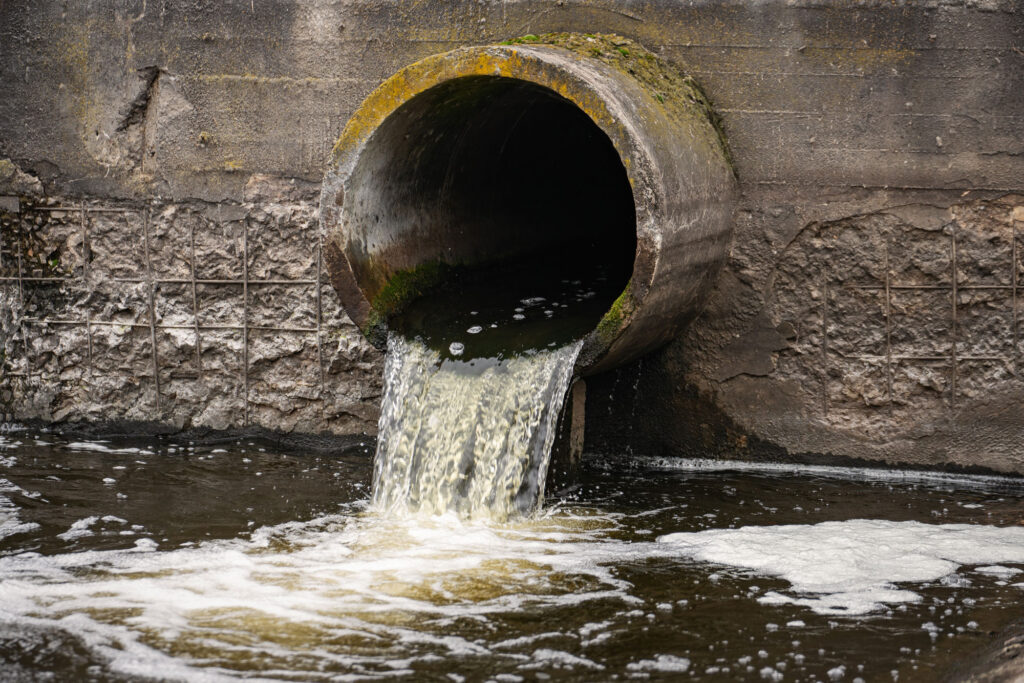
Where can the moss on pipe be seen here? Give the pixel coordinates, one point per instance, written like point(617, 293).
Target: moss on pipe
point(406, 285)
point(612, 321)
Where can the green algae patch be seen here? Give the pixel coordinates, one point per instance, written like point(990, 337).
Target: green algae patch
point(522, 40)
point(405, 286)
point(611, 322)
point(401, 289)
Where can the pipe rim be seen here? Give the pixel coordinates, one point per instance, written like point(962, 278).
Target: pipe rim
point(566, 73)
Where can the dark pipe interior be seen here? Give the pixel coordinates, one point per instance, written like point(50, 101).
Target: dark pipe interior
point(497, 174)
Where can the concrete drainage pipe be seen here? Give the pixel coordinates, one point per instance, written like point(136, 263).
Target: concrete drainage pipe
point(490, 153)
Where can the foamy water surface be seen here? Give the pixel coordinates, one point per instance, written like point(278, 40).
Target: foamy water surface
point(174, 561)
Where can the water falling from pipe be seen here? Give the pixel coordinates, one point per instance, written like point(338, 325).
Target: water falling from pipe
point(473, 440)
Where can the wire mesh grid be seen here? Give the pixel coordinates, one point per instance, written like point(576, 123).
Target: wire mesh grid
point(150, 322)
point(956, 354)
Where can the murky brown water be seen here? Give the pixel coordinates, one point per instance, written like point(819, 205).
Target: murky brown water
point(130, 560)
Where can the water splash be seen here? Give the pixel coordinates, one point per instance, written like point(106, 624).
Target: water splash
point(469, 437)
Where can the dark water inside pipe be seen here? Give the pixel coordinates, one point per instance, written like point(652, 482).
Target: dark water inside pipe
point(159, 560)
point(545, 301)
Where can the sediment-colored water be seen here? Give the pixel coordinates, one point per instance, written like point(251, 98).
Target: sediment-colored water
point(162, 560)
point(468, 437)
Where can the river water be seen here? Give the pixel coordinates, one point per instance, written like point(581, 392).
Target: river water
point(162, 559)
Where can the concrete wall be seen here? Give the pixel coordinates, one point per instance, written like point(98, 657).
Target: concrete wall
point(869, 308)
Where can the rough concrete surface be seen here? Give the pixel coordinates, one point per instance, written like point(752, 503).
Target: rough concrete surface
point(891, 335)
point(868, 309)
point(999, 662)
point(187, 313)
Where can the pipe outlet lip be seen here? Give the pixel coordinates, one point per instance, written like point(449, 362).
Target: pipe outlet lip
point(380, 235)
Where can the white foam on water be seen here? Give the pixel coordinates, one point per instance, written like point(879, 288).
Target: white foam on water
point(365, 596)
point(661, 663)
point(79, 529)
point(82, 527)
point(5, 446)
point(834, 472)
point(854, 566)
point(997, 570)
point(837, 673)
point(102, 447)
point(563, 659)
point(379, 587)
point(10, 522)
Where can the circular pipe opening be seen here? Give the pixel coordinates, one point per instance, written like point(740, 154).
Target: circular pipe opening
point(509, 181)
point(571, 157)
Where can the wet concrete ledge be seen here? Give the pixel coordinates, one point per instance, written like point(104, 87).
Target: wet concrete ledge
point(1002, 661)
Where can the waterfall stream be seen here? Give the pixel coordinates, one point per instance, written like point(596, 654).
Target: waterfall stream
point(468, 437)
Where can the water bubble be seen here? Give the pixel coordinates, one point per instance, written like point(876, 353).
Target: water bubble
point(837, 673)
point(518, 316)
point(476, 329)
point(456, 348)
